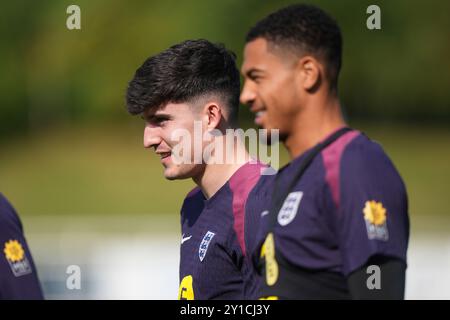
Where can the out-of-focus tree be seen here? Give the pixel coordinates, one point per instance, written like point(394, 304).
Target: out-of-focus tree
point(51, 74)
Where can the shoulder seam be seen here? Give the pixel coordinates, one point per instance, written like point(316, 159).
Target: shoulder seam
point(331, 157)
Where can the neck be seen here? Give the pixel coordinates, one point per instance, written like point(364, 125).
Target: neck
point(313, 125)
point(217, 173)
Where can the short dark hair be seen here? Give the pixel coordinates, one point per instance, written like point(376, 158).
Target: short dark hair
point(304, 29)
point(184, 72)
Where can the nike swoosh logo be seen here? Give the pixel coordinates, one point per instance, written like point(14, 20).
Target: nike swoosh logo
point(184, 239)
point(264, 213)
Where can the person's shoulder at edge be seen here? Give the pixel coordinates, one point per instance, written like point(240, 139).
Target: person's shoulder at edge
point(363, 153)
point(8, 214)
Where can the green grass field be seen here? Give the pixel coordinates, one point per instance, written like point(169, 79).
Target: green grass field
point(103, 169)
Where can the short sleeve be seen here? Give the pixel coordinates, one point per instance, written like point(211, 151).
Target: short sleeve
point(373, 208)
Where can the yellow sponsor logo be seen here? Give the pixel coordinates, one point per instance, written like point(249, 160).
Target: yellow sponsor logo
point(375, 216)
point(14, 251)
point(269, 298)
point(268, 252)
point(374, 212)
point(186, 291)
point(17, 260)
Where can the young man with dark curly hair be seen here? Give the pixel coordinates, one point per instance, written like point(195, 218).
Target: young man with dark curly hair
point(194, 86)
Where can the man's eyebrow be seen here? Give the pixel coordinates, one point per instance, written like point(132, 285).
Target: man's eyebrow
point(253, 72)
point(156, 116)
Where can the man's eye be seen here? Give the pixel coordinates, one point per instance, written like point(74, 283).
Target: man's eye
point(255, 79)
point(161, 121)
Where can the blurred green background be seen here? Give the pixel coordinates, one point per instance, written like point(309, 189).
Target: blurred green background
point(67, 145)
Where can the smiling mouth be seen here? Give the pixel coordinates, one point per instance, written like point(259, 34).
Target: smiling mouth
point(258, 117)
point(165, 155)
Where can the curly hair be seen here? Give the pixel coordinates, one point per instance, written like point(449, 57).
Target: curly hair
point(304, 29)
point(184, 72)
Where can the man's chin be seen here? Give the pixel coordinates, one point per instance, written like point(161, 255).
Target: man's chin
point(171, 174)
point(170, 178)
point(271, 136)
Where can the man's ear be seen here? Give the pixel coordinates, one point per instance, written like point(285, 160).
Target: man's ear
point(309, 72)
point(213, 115)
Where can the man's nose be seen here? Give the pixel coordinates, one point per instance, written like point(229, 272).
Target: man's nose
point(248, 94)
point(151, 137)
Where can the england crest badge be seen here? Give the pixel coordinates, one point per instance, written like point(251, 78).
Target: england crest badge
point(204, 244)
point(289, 209)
